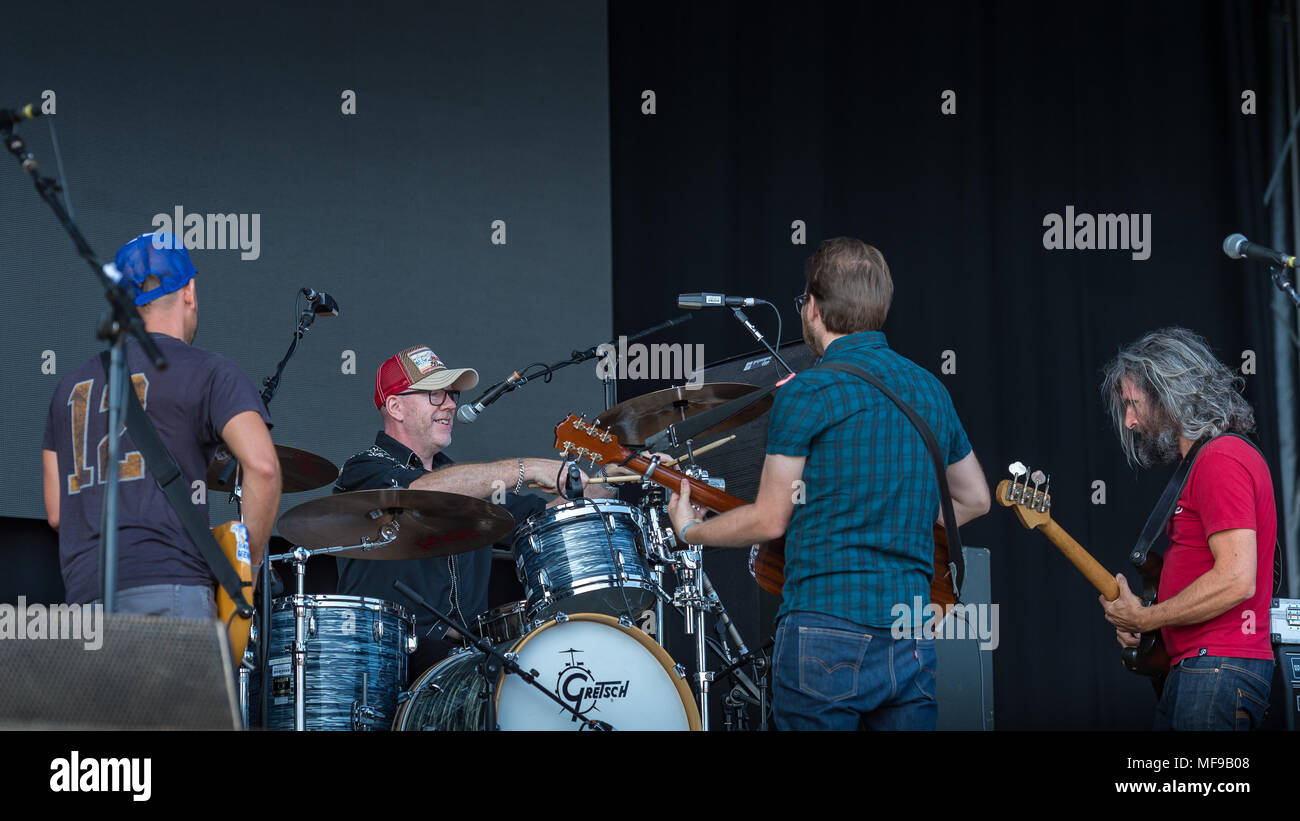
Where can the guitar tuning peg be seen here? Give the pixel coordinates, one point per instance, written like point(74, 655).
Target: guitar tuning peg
point(1038, 478)
point(1017, 469)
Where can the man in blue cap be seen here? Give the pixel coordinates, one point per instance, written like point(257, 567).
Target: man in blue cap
point(200, 400)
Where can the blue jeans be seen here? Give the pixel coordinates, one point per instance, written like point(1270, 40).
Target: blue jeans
point(178, 601)
point(1215, 693)
point(832, 674)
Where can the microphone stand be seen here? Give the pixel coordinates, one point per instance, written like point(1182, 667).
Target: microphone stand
point(753, 330)
point(113, 327)
point(270, 385)
point(494, 662)
point(1283, 283)
point(577, 358)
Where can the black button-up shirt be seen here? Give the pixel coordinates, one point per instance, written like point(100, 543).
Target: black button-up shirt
point(458, 584)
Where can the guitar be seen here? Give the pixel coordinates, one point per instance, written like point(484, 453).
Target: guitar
point(588, 441)
point(1032, 507)
point(232, 537)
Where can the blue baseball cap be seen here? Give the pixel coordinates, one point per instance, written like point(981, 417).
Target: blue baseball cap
point(162, 255)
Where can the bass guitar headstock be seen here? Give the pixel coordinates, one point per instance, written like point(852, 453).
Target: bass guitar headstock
point(1032, 503)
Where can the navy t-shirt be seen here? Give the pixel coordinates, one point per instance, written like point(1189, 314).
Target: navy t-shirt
point(189, 403)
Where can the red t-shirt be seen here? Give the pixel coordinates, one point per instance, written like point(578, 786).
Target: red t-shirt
point(1230, 487)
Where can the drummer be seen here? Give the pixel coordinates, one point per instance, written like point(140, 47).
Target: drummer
point(416, 395)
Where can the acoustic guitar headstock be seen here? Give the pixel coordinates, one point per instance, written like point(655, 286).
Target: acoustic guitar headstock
point(1032, 503)
point(586, 440)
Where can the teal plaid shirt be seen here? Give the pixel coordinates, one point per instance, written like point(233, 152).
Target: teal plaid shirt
point(861, 539)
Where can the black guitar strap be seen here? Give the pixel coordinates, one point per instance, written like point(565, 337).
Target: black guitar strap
point(1164, 509)
point(956, 559)
point(173, 485)
point(1155, 526)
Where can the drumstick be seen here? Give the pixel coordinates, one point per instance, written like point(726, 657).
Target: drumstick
point(615, 480)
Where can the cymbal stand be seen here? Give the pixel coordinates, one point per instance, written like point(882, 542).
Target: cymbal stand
point(660, 542)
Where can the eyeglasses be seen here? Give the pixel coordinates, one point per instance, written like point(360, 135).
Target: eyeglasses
point(436, 398)
point(801, 301)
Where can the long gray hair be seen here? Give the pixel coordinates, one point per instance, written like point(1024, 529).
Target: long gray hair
point(1175, 368)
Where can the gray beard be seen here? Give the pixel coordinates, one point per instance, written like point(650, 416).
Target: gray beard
point(1156, 449)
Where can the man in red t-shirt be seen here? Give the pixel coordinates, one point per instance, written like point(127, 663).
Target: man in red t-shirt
point(1167, 392)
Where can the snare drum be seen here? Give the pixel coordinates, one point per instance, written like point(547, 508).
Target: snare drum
point(604, 669)
point(505, 623)
point(587, 555)
point(356, 663)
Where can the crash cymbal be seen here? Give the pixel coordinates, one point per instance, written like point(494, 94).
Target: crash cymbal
point(299, 470)
point(636, 420)
point(429, 523)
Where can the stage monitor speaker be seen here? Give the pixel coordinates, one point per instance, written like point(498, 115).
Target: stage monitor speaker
point(1284, 633)
point(148, 673)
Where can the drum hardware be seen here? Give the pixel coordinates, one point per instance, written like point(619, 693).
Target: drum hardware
point(494, 662)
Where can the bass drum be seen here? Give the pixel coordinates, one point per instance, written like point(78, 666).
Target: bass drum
point(604, 669)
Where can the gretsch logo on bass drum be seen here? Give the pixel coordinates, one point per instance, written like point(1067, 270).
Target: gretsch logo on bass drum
point(578, 685)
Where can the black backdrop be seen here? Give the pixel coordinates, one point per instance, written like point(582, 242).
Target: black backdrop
point(765, 114)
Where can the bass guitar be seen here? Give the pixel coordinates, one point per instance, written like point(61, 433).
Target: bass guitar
point(1032, 505)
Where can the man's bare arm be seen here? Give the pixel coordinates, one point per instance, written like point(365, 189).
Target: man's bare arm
point(762, 521)
point(969, 489)
point(50, 486)
point(249, 440)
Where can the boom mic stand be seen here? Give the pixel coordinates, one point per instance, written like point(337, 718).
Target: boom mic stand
point(113, 327)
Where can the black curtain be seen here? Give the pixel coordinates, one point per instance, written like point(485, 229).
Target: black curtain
point(830, 114)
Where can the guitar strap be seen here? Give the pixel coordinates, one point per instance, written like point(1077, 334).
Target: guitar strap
point(172, 483)
point(956, 558)
point(1164, 509)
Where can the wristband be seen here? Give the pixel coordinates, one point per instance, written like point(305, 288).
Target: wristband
point(692, 523)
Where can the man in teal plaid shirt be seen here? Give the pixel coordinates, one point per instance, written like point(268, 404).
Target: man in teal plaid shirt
point(849, 482)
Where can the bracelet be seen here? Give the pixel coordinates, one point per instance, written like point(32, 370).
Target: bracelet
point(519, 485)
point(682, 533)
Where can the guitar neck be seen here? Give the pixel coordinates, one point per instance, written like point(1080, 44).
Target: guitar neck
point(1082, 560)
point(702, 494)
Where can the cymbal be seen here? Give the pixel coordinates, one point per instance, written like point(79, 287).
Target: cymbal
point(429, 523)
point(299, 470)
point(635, 420)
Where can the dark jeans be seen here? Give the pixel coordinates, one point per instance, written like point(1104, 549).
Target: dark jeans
point(832, 674)
point(1215, 693)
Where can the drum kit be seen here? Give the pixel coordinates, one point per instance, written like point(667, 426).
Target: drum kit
point(568, 656)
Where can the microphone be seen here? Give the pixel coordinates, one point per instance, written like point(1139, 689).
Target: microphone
point(10, 116)
point(1237, 247)
point(468, 413)
point(694, 302)
point(322, 304)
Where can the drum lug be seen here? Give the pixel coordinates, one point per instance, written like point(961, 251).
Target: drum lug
point(610, 524)
point(412, 643)
point(311, 626)
point(561, 618)
point(622, 570)
point(532, 542)
point(679, 670)
point(626, 622)
point(544, 582)
point(378, 630)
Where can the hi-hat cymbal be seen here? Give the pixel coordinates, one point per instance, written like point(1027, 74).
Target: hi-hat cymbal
point(636, 420)
point(428, 523)
point(299, 470)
